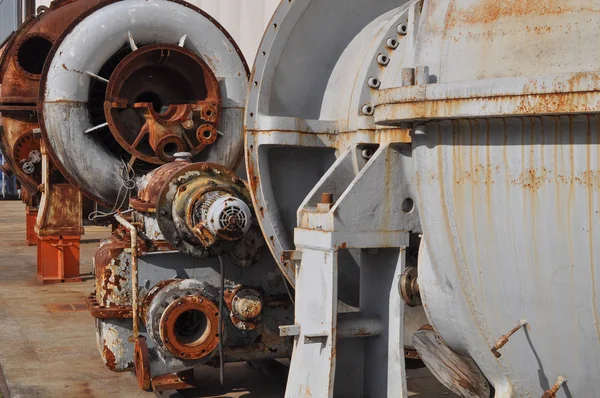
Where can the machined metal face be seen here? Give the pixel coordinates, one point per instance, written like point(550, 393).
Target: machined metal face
point(196, 82)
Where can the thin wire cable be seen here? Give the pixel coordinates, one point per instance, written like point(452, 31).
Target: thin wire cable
point(127, 183)
point(221, 300)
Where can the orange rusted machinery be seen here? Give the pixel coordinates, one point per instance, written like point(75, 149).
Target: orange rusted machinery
point(53, 205)
point(147, 118)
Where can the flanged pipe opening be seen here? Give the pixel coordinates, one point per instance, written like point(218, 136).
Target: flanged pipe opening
point(32, 54)
point(192, 327)
point(189, 327)
point(171, 149)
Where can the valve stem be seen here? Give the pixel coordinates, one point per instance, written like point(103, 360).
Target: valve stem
point(551, 393)
point(504, 339)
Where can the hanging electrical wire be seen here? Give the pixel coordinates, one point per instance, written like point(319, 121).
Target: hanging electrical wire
point(128, 184)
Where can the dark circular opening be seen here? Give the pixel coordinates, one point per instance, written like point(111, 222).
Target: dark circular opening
point(157, 102)
point(171, 149)
point(408, 205)
point(207, 134)
point(384, 59)
point(191, 326)
point(32, 54)
point(209, 113)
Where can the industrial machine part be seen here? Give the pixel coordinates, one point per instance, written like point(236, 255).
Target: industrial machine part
point(138, 84)
point(23, 57)
point(214, 300)
point(334, 193)
point(125, 110)
point(481, 116)
point(58, 227)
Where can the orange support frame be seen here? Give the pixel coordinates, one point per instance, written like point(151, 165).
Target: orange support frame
point(30, 220)
point(58, 259)
point(58, 229)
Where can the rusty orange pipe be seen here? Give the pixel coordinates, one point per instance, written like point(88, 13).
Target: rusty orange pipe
point(134, 272)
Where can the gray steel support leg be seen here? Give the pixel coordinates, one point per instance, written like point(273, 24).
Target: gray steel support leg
point(312, 368)
point(369, 367)
point(379, 297)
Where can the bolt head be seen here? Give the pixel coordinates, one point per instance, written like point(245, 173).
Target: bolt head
point(367, 110)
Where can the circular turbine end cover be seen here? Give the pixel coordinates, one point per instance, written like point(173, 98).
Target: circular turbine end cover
point(229, 217)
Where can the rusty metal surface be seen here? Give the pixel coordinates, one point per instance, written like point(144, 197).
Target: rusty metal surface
point(103, 312)
point(113, 276)
point(566, 93)
point(63, 351)
point(142, 363)
point(152, 184)
point(247, 305)
point(21, 64)
point(182, 318)
point(115, 343)
point(60, 211)
point(157, 267)
point(176, 97)
point(180, 202)
point(175, 381)
point(551, 393)
point(505, 150)
point(179, 312)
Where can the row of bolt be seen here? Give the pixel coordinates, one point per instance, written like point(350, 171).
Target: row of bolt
point(391, 43)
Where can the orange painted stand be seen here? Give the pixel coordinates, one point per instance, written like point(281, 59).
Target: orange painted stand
point(30, 218)
point(58, 259)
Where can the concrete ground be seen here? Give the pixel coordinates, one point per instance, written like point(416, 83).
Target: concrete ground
point(47, 338)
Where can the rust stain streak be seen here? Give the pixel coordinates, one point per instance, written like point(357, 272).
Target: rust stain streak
point(591, 245)
point(490, 11)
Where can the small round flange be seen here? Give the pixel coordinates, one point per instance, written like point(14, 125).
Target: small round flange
point(142, 363)
point(409, 287)
point(205, 338)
